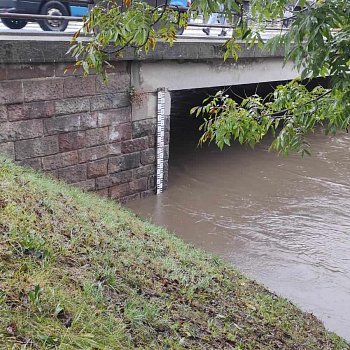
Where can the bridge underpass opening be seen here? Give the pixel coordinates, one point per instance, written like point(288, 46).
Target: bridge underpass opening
point(184, 128)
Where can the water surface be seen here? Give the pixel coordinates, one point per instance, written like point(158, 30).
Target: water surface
point(283, 221)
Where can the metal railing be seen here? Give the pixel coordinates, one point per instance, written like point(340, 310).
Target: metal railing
point(35, 18)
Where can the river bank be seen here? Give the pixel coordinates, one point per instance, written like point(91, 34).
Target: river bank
point(80, 272)
point(283, 221)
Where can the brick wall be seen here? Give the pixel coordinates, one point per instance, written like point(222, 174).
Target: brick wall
point(77, 129)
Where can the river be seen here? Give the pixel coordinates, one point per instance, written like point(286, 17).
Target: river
point(284, 221)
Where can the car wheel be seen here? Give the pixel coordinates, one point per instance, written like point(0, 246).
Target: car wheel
point(13, 23)
point(54, 8)
point(180, 30)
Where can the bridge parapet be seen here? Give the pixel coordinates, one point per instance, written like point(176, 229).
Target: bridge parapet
point(29, 48)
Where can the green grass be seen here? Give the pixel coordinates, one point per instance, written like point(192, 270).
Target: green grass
point(80, 272)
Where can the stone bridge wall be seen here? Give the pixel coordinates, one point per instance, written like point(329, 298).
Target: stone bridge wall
point(77, 129)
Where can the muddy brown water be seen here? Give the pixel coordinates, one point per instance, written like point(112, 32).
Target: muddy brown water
point(284, 221)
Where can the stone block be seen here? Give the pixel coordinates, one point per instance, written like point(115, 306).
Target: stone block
point(11, 92)
point(26, 129)
point(73, 174)
point(144, 106)
point(97, 168)
point(67, 123)
point(71, 141)
point(93, 153)
point(45, 89)
point(3, 113)
point(36, 147)
point(87, 185)
point(17, 112)
point(64, 123)
point(60, 160)
point(7, 149)
point(72, 105)
point(114, 149)
point(148, 156)
point(44, 109)
point(95, 137)
point(64, 70)
point(114, 164)
point(135, 145)
point(113, 116)
point(117, 67)
point(113, 179)
point(34, 110)
point(119, 191)
point(34, 163)
point(120, 132)
point(26, 71)
point(144, 171)
point(152, 182)
point(79, 86)
point(124, 162)
point(88, 121)
point(145, 127)
point(109, 101)
point(152, 141)
point(139, 185)
point(117, 82)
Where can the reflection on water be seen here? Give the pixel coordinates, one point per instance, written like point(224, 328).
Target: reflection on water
point(282, 220)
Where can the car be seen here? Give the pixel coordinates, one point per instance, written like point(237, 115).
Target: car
point(43, 7)
point(77, 8)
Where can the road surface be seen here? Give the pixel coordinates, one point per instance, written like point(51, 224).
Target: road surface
point(33, 30)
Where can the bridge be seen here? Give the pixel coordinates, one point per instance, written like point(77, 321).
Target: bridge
point(104, 137)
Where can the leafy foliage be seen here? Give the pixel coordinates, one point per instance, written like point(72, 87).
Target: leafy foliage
point(318, 44)
point(290, 113)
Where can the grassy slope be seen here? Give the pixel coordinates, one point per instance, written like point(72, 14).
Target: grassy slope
point(79, 272)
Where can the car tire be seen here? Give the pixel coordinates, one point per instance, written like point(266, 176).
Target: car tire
point(14, 23)
point(54, 8)
point(180, 30)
